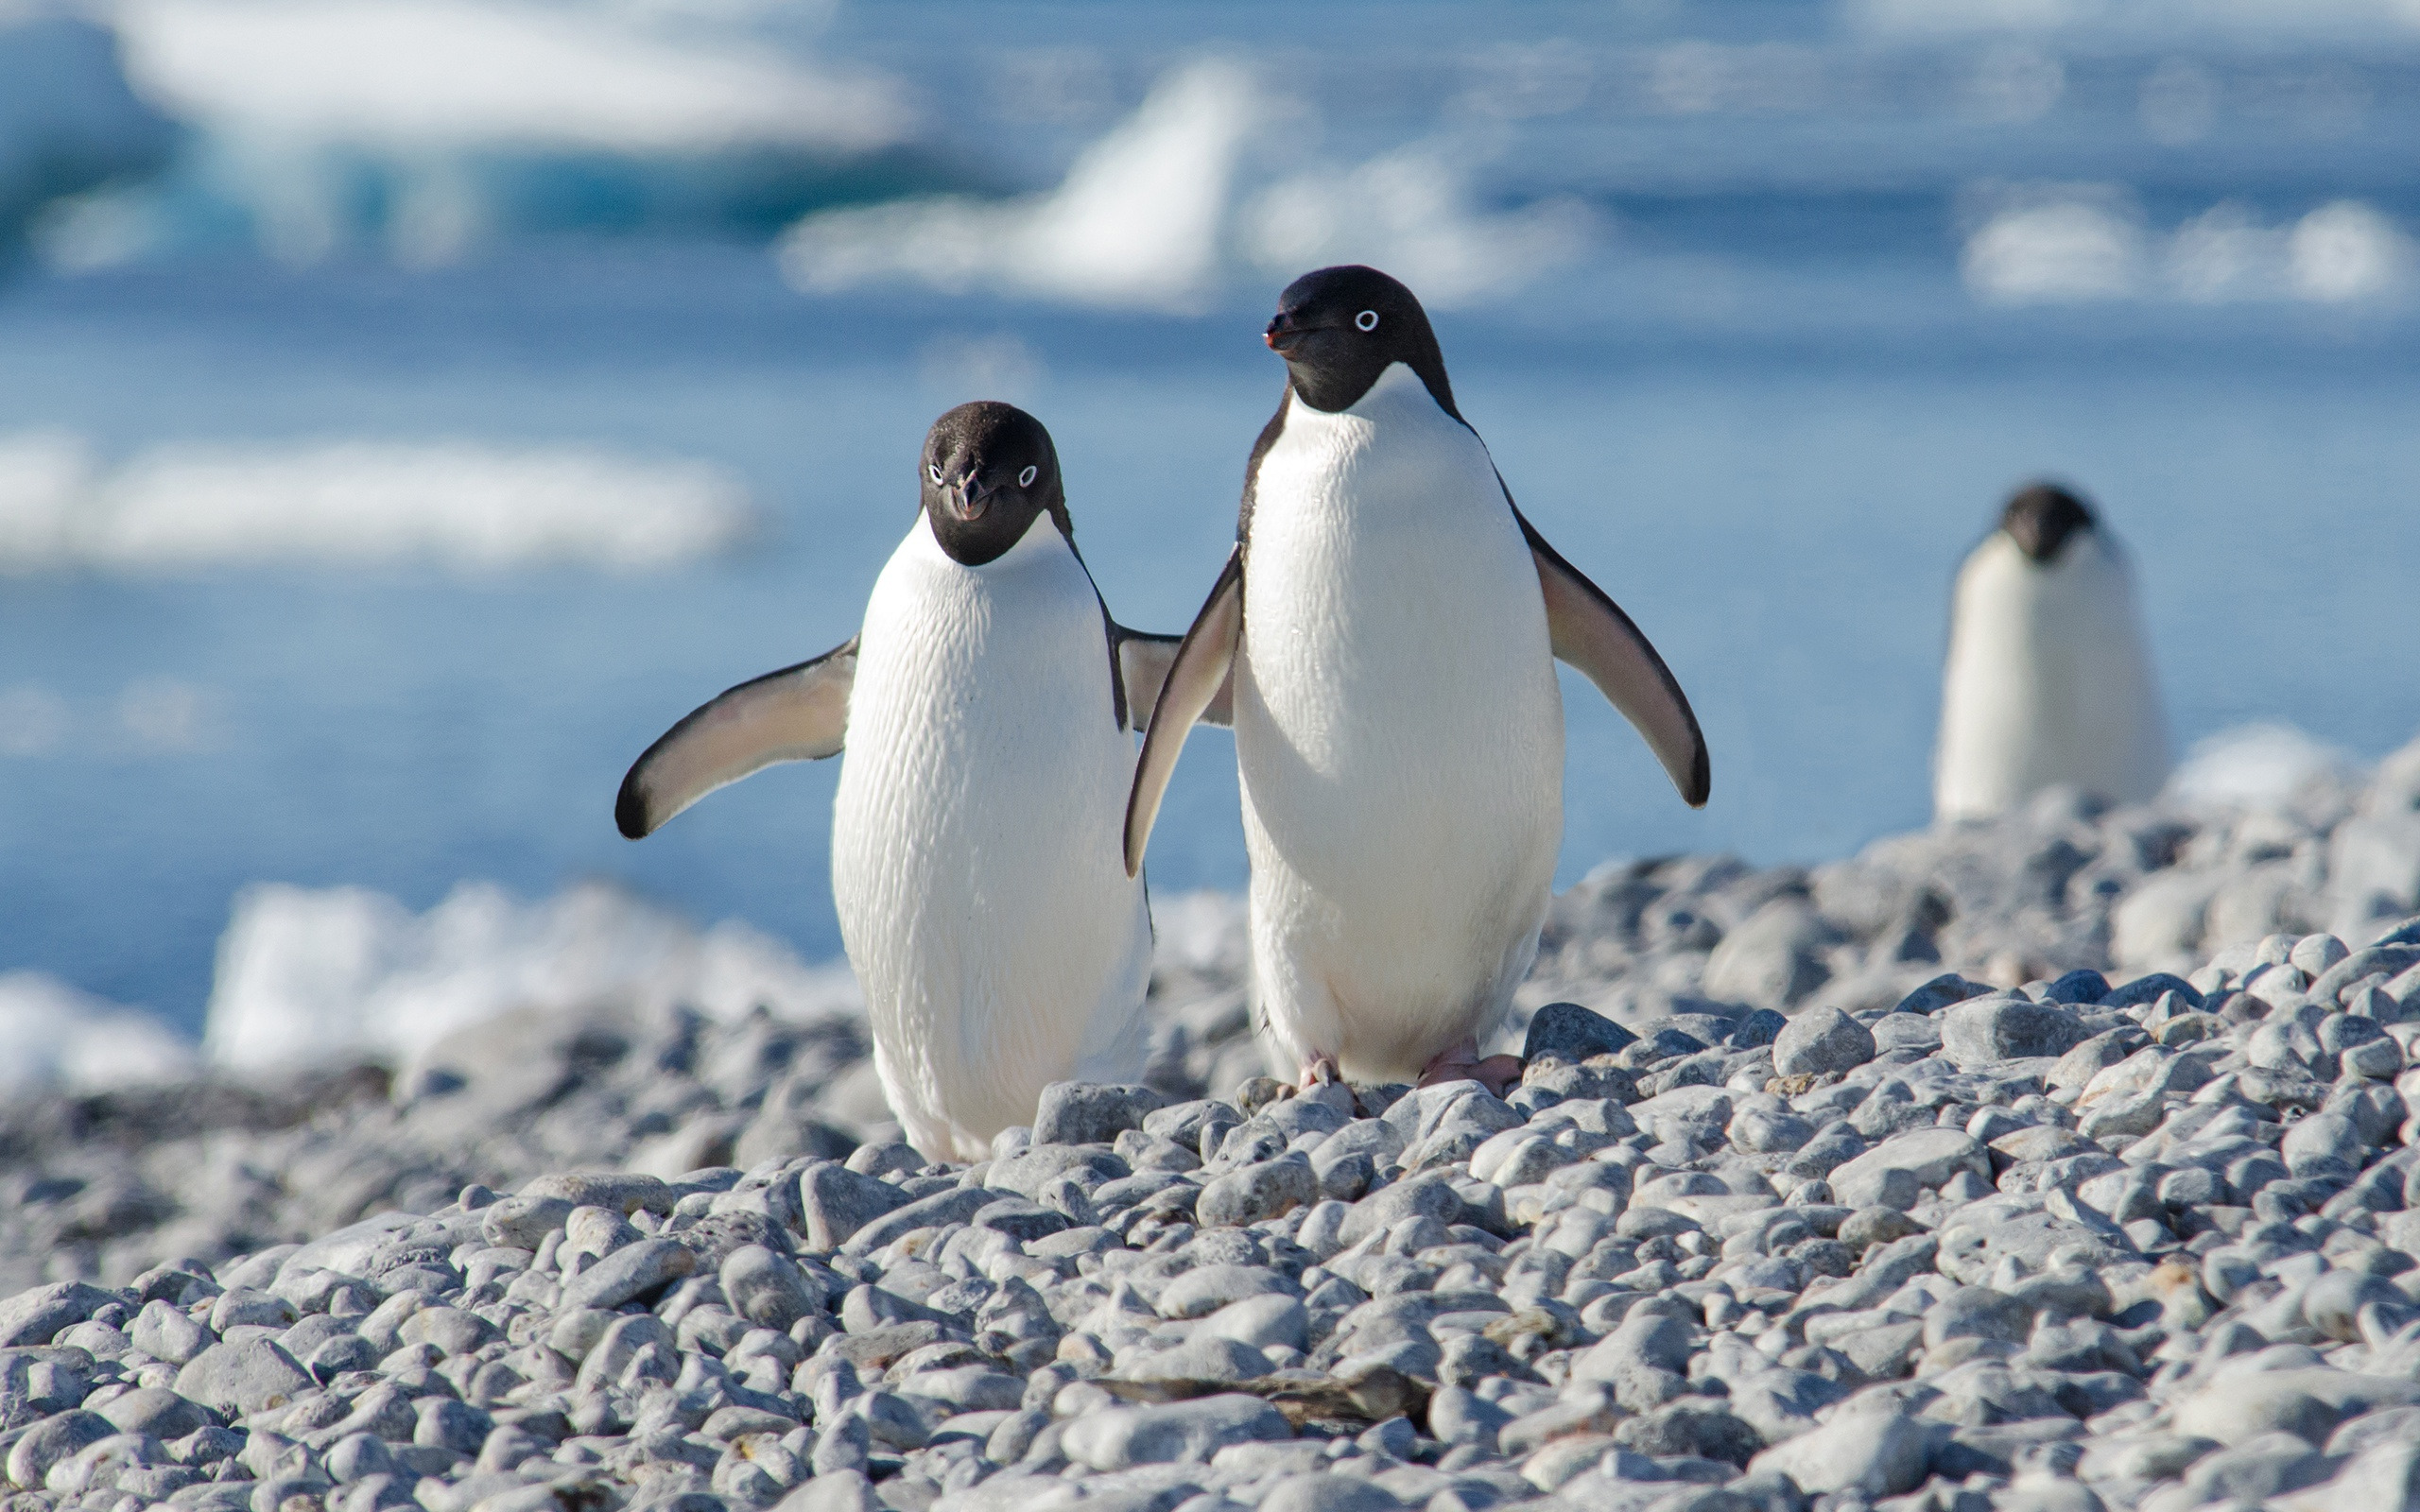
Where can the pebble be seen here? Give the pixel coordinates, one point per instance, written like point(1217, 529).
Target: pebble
point(1838, 1221)
point(1265, 1189)
point(242, 1378)
point(1073, 1112)
point(630, 1272)
point(1190, 1432)
point(1983, 1031)
point(1821, 1042)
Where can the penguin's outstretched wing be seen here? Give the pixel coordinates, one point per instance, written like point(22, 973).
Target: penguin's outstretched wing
point(1144, 660)
point(1591, 632)
point(1197, 680)
point(797, 714)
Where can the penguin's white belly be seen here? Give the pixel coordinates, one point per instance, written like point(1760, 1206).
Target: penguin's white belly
point(976, 857)
point(1399, 735)
point(2047, 681)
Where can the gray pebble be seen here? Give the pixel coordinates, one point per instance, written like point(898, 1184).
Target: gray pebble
point(1076, 1112)
point(1175, 1432)
point(632, 1271)
point(242, 1378)
point(1258, 1192)
point(1822, 1042)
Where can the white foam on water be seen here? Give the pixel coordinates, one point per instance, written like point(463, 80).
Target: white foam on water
point(1200, 931)
point(1136, 223)
point(458, 505)
point(53, 1037)
point(2259, 766)
point(447, 75)
point(308, 975)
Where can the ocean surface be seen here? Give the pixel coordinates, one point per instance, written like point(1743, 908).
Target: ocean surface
point(370, 561)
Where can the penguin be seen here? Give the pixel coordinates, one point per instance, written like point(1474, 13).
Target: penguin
point(1386, 629)
point(2049, 677)
point(988, 702)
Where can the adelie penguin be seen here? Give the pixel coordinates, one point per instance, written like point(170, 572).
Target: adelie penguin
point(987, 703)
point(2049, 677)
point(1390, 622)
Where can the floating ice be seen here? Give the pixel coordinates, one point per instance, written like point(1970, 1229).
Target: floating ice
point(454, 503)
point(2063, 245)
point(2074, 243)
point(52, 1036)
point(311, 975)
point(2348, 251)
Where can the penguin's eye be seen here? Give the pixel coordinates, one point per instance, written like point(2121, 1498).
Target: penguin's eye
point(934, 468)
point(1025, 479)
point(1367, 319)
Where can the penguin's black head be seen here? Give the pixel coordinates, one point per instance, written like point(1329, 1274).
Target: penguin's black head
point(988, 470)
point(1340, 328)
point(2041, 517)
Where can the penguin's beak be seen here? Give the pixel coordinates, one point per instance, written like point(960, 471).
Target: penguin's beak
point(969, 497)
point(1283, 333)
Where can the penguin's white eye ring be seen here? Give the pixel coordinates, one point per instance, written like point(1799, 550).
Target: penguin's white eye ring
point(1025, 479)
point(934, 469)
point(1367, 319)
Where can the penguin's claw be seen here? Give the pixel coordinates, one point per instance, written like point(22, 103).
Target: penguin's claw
point(1462, 1062)
point(1321, 1071)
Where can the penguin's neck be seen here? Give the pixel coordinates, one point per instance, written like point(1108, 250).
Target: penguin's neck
point(1392, 456)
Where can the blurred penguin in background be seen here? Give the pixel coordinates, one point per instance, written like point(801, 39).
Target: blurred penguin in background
point(2049, 678)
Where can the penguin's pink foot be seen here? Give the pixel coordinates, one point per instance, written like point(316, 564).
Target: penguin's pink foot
point(1320, 1071)
point(1461, 1061)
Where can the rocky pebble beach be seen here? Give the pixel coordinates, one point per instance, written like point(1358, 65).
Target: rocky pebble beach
point(2056, 1164)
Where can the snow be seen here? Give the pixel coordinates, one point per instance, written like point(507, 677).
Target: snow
point(458, 504)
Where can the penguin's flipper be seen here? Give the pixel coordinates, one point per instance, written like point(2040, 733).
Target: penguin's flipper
point(1591, 632)
point(1198, 679)
point(1144, 660)
point(797, 714)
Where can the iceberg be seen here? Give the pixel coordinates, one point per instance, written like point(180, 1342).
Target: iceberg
point(1135, 224)
point(426, 128)
point(68, 121)
point(1157, 214)
point(461, 505)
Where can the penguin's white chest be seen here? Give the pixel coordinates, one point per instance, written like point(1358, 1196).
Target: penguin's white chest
point(2049, 681)
point(976, 855)
point(1398, 731)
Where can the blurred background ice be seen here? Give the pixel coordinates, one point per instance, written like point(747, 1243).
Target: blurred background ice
point(409, 407)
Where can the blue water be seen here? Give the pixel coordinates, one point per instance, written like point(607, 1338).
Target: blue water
point(1767, 418)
